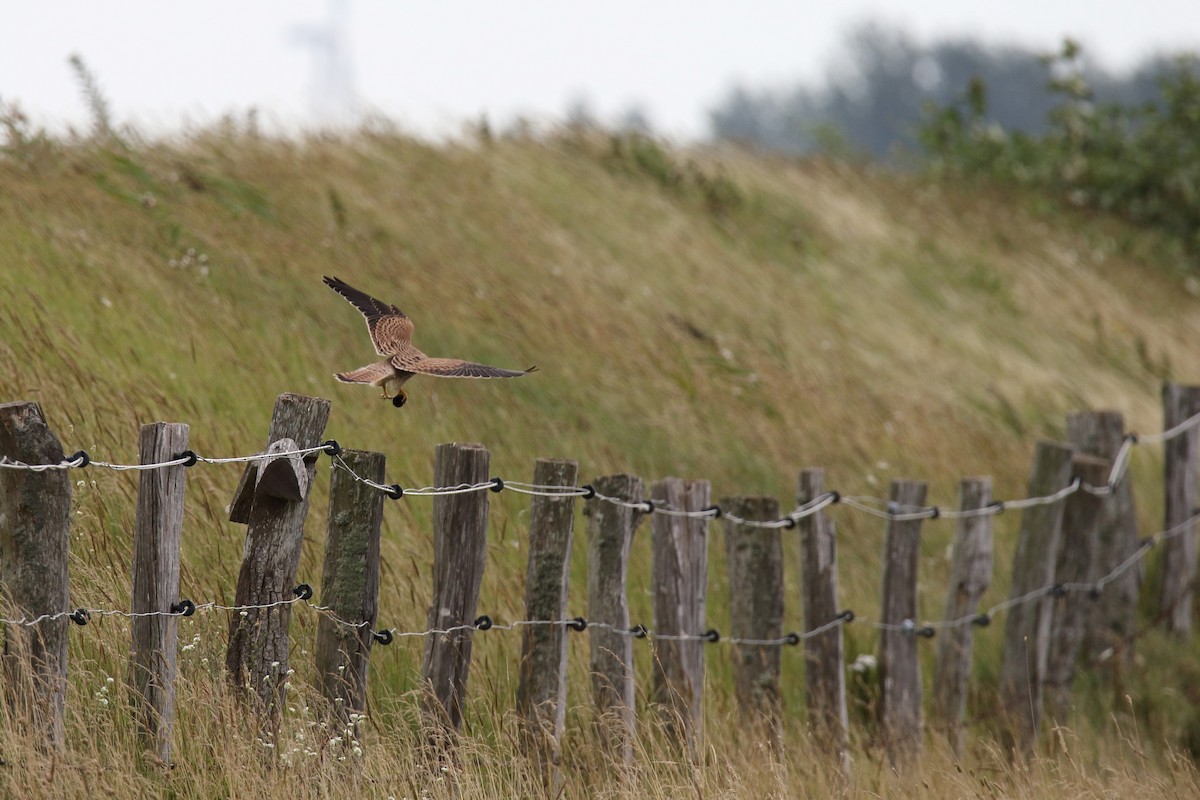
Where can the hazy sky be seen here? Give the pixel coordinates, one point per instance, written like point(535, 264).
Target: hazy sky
point(431, 65)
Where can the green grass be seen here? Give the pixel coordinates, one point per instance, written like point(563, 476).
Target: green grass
point(705, 314)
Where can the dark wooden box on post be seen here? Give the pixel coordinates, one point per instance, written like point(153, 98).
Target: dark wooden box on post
point(156, 548)
point(970, 576)
point(459, 555)
point(680, 579)
point(610, 533)
point(1182, 500)
point(755, 561)
point(824, 666)
point(272, 500)
point(350, 581)
point(542, 686)
point(1027, 628)
point(1112, 618)
point(34, 540)
point(899, 667)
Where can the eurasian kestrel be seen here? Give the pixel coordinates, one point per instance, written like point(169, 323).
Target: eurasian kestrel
point(391, 333)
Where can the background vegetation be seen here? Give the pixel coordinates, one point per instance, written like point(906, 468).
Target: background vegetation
point(705, 313)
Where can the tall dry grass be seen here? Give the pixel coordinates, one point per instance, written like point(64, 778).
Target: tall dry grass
point(709, 313)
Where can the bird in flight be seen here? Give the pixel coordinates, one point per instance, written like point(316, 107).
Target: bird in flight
point(391, 333)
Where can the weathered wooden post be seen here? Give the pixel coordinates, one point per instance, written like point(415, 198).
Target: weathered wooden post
point(899, 668)
point(156, 541)
point(610, 532)
point(1179, 467)
point(272, 500)
point(1082, 516)
point(970, 576)
point(459, 554)
point(542, 686)
point(680, 579)
point(1112, 619)
point(1027, 630)
point(350, 582)
point(824, 667)
point(35, 533)
point(755, 561)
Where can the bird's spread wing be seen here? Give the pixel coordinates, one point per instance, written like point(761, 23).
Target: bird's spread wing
point(415, 361)
point(391, 331)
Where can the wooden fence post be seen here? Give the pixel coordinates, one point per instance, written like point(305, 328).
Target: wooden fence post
point(35, 534)
point(1075, 564)
point(680, 579)
point(1112, 619)
point(755, 563)
point(970, 576)
point(1179, 468)
point(610, 532)
point(156, 541)
point(257, 658)
point(350, 582)
point(1027, 629)
point(542, 686)
point(824, 667)
point(899, 668)
point(459, 555)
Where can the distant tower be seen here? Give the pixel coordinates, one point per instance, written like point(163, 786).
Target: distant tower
point(331, 90)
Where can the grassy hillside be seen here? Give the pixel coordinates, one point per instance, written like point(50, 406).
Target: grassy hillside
point(705, 313)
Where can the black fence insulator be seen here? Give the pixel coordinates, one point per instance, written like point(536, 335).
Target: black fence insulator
point(926, 632)
point(934, 512)
point(332, 447)
point(1058, 590)
point(184, 608)
point(792, 638)
point(789, 523)
point(191, 457)
point(648, 506)
point(1132, 437)
point(1095, 591)
point(589, 491)
point(639, 631)
point(712, 635)
point(1147, 542)
point(395, 491)
point(998, 505)
point(483, 622)
point(497, 485)
point(303, 591)
point(84, 460)
point(80, 616)
point(847, 616)
point(577, 624)
point(715, 511)
point(384, 636)
point(835, 497)
point(981, 620)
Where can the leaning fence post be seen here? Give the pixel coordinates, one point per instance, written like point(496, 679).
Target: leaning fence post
point(970, 575)
point(459, 554)
point(34, 540)
point(1179, 476)
point(680, 579)
point(899, 669)
point(610, 533)
point(542, 685)
point(1027, 629)
point(350, 581)
point(272, 499)
point(1112, 619)
point(156, 541)
point(1075, 565)
point(824, 670)
point(755, 562)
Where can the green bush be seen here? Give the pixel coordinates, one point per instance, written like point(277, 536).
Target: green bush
point(1141, 162)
